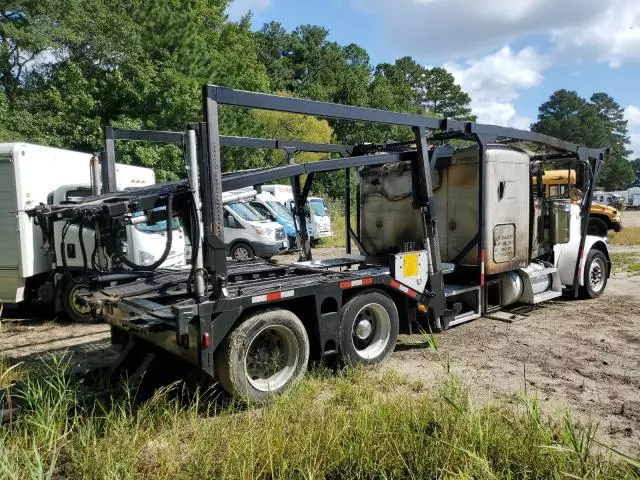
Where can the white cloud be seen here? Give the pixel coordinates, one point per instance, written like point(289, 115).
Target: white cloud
point(632, 115)
point(598, 30)
point(613, 37)
point(445, 28)
point(494, 82)
point(238, 8)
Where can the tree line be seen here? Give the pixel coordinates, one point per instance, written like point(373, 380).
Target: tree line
point(69, 67)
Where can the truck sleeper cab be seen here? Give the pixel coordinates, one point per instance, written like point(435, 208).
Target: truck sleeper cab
point(253, 325)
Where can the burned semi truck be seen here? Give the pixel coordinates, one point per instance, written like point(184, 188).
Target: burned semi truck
point(450, 225)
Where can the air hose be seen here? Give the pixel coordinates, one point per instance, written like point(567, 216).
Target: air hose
point(167, 248)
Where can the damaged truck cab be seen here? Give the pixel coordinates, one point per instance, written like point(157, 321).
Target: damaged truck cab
point(444, 233)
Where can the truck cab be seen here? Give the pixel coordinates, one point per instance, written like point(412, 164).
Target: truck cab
point(142, 244)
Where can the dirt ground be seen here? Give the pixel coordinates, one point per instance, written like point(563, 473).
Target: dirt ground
point(583, 356)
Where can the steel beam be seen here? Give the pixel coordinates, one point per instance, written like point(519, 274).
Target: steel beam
point(241, 98)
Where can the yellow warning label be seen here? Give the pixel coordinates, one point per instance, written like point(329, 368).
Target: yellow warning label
point(410, 266)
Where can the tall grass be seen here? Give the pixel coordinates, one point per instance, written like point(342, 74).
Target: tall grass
point(356, 424)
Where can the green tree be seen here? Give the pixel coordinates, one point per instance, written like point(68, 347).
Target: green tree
point(442, 96)
point(598, 122)
point(635, 165)
point(123, 62)
point(425, 90)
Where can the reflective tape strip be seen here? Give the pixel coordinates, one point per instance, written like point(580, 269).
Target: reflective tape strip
point(406, 290)
point(269, 297)
point(356, 283)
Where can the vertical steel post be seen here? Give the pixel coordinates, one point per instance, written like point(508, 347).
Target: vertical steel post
point(347, 209)
point(109, 162)
point(302, 236)
point(585, 210)
point(422, 195)
point(212, 186)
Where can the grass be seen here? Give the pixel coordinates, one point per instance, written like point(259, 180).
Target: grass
point(354, 424)
point(623, 262)
point(336, 212)
point(628, 236)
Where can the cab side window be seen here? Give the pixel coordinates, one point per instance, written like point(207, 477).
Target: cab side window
point(262, 210)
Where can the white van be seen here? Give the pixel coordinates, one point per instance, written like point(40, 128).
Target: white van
point(318, 220)
point(247, 233)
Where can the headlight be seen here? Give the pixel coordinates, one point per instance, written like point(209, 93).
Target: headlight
point(146, 258)
point(267, 232)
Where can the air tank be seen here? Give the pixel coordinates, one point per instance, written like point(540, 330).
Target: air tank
point(559, 221)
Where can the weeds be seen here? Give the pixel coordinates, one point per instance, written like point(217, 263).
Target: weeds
point(356, 424)
point(628, 236)
point(625, 262)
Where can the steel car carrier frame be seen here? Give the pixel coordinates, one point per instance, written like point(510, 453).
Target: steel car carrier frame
point(212, 316)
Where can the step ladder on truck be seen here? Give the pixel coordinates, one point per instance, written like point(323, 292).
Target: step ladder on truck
point(445, 234)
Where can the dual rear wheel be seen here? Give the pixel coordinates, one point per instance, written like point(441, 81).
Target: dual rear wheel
point(267, 352)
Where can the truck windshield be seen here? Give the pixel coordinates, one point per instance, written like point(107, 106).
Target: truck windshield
point(318, 207)
point(160, 226)
point(280, 209)
point(245, 211)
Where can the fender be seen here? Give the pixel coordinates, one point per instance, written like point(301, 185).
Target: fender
point(565, 257)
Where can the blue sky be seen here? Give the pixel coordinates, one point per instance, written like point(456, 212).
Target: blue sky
point(509, 56)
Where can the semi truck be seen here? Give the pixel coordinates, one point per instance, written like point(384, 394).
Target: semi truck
point(32, 270)
point(450, 226)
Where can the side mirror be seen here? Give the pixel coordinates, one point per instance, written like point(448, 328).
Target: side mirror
point(231, 222)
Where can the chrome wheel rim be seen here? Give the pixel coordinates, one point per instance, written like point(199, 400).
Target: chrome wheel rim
point(597, 271)
point(371, 331)
point(241, 253)
point(272, 358)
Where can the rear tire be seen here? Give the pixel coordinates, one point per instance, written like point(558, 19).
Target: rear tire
point(242, 251)
point(369, 327)
point(263, 356)
point(72, 308)
point(595, 274)
point(597, 227)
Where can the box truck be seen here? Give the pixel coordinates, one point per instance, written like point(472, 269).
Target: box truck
point(30, 269)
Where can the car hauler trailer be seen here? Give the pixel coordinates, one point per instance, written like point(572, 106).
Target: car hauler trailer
point(477, 234)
